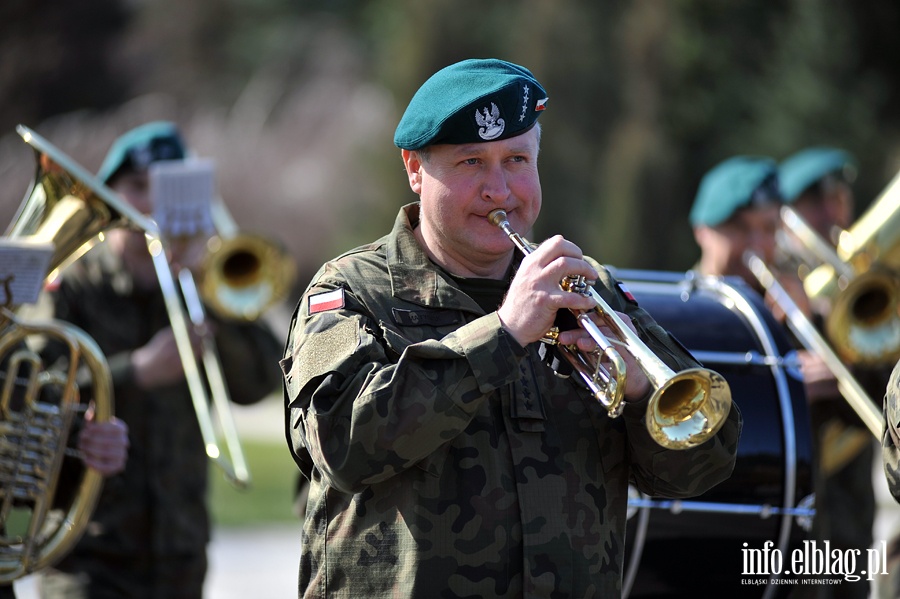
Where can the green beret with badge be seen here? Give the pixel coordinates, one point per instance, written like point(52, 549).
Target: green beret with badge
point(739, 182)
point(136, 149)
point(472, 101)
point(804, 169)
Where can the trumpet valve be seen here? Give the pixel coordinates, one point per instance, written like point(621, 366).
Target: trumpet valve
point(575, 284)
point(551, 337)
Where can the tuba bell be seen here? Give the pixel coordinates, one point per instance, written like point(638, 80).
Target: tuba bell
point(38, 405)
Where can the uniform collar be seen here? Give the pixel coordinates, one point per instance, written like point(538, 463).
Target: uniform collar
point(414, 277)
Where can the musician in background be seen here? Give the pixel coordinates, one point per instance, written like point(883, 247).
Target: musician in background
point(818, 184)
point(149, 533)
point(444, 456)
point(738, 208)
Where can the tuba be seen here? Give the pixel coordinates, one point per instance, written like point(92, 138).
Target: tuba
point(38, 405)
point(859, 280)
point(686, 408)
point(70, 208)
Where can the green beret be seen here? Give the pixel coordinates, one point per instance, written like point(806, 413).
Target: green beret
point(136, 149)
point(736, 183)
point(805, 168)
point(471, 101)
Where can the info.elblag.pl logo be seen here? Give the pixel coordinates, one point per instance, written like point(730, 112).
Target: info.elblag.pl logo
point(825, 564)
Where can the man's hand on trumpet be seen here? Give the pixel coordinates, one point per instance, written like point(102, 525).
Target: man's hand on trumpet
point(535, 297)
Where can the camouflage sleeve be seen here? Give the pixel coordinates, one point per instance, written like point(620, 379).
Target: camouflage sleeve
point(363, 404)
point(657, 470)
point(890, 438)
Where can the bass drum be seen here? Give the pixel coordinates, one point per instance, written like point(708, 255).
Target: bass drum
point(686, 547)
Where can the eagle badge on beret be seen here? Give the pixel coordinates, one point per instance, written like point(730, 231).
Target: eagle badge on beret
point(490, 124)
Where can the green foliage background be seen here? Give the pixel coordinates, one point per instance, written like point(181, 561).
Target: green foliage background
point(297, 100)
point(271, 494)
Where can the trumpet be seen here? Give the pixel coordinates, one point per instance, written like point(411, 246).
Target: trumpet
point(70, 208)
point(806, 332)
point(686, 408)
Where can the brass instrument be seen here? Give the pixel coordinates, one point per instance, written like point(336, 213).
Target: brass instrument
point(37, 406)
point(239, 277)
point(243, 274)
point(686, 408)
point(71, 208)
point(34, 431)
point(807, 334)
point(860, 282)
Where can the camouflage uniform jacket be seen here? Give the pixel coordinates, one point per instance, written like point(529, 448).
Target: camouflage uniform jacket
point(157, 506)
point(890, 438)
point(444, 459)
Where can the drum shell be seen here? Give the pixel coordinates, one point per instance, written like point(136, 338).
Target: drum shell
point(773, 468)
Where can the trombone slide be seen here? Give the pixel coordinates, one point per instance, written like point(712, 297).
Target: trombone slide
point(237, 474)
point(811, 339)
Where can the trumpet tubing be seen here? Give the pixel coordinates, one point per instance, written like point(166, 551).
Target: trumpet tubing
point(686, 408)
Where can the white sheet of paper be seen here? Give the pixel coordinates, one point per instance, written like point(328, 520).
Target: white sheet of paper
point(23, 268)
point(181, 192)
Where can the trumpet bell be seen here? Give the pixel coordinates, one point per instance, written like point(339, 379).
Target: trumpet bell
point(688, 408)
point(244, 275)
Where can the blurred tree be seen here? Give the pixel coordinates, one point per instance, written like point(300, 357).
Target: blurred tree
point(56, 58)
point(645, 96)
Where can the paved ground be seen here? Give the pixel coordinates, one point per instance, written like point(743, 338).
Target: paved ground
point(259, 563)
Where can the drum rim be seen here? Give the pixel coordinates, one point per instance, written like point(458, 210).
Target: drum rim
point(734, 290)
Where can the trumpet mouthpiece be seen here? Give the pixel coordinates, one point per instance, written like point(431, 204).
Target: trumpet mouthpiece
point(497, 216)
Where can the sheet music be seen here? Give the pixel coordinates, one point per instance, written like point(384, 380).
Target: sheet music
point(23, 267)
point(182, 193)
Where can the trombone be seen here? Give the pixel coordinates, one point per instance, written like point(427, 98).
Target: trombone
point(85, 210)
point(859, 279)
point(243, 274)
point(811, 339)
point(686, 407)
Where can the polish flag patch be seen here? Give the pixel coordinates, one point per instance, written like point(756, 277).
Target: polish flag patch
point(541, 105)
point(329, 300)
point(626, 292)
